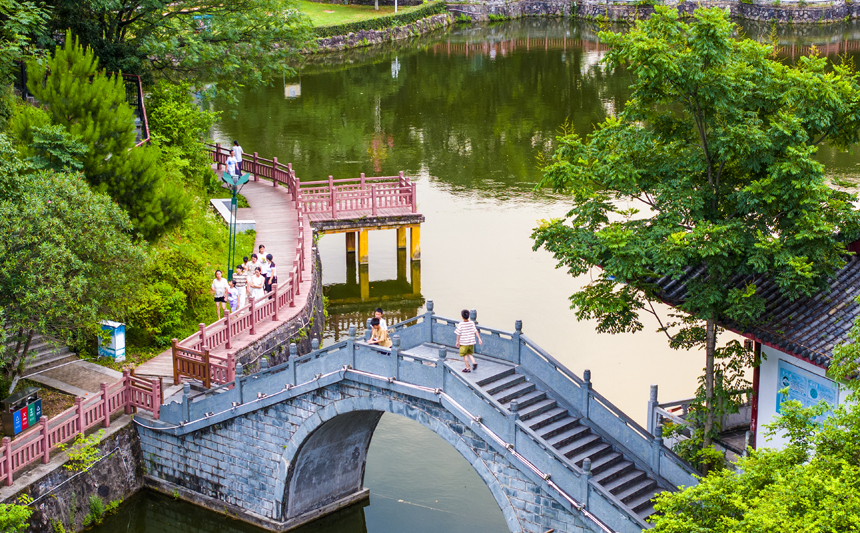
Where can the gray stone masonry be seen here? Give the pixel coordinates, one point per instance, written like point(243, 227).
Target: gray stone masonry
point(245, 462)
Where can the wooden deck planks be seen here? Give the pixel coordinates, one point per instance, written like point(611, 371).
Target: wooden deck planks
point(276, 220)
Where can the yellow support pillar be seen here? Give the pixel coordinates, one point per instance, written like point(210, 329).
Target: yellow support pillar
point(363, 248)
point(350, 242)
point(401, 238)
point(415, 242)
point(364, 282)
point(416, 279)
point(401, 265)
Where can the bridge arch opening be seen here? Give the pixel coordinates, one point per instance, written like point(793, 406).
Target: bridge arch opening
point(328, 466)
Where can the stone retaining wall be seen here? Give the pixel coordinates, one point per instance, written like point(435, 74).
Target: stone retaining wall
point(62, 496)
point(302, 329)
point(370, 37)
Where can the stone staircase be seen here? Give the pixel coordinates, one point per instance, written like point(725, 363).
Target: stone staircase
point(576, 441)
point(44, 354)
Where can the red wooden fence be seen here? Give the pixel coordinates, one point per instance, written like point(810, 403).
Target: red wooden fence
point(349, 198)
point(37, 443)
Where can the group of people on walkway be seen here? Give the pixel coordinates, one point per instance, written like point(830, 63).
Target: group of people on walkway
point(234, 160)
point(253, 278)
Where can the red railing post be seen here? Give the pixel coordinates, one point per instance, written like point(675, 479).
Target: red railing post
point(217, 156)
point(207, 370)
point(253, 315)
point(373, 199)
point(231, 368)
point(256, 167)
point(274, 172)
point(229, 344)
point(79, 408)
point(7, 449)
point(333, 200)
point(361, 195)
point(202, 328)
point(291, 180)
point(173, 343)
point(156, 398)
point(414, 199)
point(106, 405)
point(46, 438)
point(275, 293)
point(126, 385)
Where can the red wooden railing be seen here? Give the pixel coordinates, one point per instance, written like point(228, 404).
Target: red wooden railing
point(37, 443)
point(347, 198)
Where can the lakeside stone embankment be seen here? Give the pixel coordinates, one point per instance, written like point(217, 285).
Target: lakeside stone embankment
point(793, 12)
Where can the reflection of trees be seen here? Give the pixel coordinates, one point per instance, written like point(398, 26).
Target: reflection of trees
point(466, 119)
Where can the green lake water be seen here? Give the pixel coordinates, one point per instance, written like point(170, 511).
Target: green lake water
point(468, 114)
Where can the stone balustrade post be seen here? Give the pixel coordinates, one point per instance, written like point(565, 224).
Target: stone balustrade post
point(473, 316)
point(586, 476)
point(350, 346)
point(749, 442)
point(514, 408)
point(293, 356)
point(240, 378)
point(46, 440)
point(264, 364)
point(186, 402)
point(395, 357)
point(440, 368)
point(586, 392)
point(657, 449)
point(428, 321)
point(652, 411)
point(315, 345)
point(368, 330)
point(516, 351)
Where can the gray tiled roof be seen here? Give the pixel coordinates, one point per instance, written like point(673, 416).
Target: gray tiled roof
point(807, 328)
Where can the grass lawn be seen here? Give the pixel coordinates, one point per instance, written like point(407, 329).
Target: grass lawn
point(331, 14)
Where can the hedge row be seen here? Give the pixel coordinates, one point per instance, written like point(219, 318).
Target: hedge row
point(388, 21)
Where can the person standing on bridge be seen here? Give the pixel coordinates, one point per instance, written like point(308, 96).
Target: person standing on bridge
point(378, 335)
point(466, 333)
point(257, 282)
point(378, 314)
point(240, 278)
point(273, 274)
point(219, 289)
point(237, 155)
point(231, 166)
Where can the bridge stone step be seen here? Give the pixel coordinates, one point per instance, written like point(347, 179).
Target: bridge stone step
point(556, 428)
point(537, 408)
point(623, 482)
point(592, 453)
point(495, 377)
point(547, 418)
point(577, 432)
point(633, 493)
point(583, 442)
point(613, 472)
point(505, 383)
point(514, 392)
point(643, 502)
point(528, 400)
point(605, 462)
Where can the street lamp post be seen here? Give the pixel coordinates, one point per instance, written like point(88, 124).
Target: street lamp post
point(234, 183)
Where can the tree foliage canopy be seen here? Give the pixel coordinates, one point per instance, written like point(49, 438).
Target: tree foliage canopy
point(241, 42)
point(91, 106)
point(715, 153)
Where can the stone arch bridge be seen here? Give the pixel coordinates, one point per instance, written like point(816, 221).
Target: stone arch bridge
point(288, 444)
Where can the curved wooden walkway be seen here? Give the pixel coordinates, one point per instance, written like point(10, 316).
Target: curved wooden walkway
point(274, 211)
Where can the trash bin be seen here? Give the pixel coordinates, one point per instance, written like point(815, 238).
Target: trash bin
point(21, 411)
point(114, 347)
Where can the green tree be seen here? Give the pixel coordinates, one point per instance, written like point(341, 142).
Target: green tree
point(716, 147)
point(242, 42)
point(67, 259)
point(91, 105)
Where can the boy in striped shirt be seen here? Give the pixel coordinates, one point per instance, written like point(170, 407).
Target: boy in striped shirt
point(466, 333)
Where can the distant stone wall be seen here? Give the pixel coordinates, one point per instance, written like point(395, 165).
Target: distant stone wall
point(370, 37)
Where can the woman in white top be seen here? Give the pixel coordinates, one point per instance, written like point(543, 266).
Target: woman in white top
point(257, 282)
point(237, 155)
point(219, 289)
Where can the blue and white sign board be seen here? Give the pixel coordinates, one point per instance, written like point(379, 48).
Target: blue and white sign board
point(115, 346)
point(807, 388)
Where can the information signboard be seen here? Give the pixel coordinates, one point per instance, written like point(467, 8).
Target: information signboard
point(807, 388)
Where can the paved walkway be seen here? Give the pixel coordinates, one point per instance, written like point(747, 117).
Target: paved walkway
point(276, 219)
point(78, 377)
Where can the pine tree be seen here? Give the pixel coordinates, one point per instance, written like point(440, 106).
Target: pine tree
point(91, 105)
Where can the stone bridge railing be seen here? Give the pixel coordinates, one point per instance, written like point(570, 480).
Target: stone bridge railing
point(429, 379)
